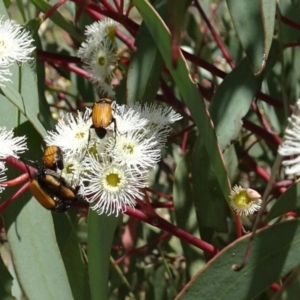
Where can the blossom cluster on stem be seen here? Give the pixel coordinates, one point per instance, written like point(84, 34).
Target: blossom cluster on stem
point(112, 171)
point(10, 146)
point(99, 54)
point(16, 45)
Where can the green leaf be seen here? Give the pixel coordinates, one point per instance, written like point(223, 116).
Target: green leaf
point(20, 5)
point(159, 283)
point(232, 101)
point(59, 20)
point(187, 89)
point(209, 201)
point(5, 278)
point(44, 114)
point(32, 238)
point(67, 240)
point(33, 244)
point(290, 288)
point(254, 24)
point(27, 99)
point(101, 229)
point(144, 70)
point(288, 201)
point(185, 214)
point(231, 161)
point(274, 253)
point(3, 6)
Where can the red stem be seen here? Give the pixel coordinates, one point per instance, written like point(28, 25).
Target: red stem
point(289, 22)
point(248, 161)
point(215, 36)
point(17, 180)
point(15, 196)
point(142, 249)
point(53, 9)
point(160, 194)
point(19, 165)
point(108, 6)
point(269, 137)
point(57, 58)
point(164, 225)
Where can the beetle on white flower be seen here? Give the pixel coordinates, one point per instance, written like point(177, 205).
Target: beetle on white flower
point(112, 171)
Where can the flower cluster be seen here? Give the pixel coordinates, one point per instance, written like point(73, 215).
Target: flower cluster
point(244, 201)
point(290, 146)
point(112, 171)
point(99, 54)
point(10, 146)
point(15, 46)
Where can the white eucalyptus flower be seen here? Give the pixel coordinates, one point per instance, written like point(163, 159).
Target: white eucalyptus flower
point(245, 201)
point(157, 114)
point(101, 29)
point(72, 170)
point(290, 147)
point(10, 145)
point(111, 186)
point(128, 119)
point(99, 55)
point(159, 120)
point(100, 61)
point(3, 177)
point(72, 133)
point(135, 150)
point(103, 88)
point(15, 43)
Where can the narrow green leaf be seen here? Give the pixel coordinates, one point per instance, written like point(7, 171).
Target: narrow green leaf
point(273, 254)
point(268, 13)
point(290, 288)
point(36, 256)
point(232, 101)
point(187, 90)
point(288, 201)
point(44, 115)
point(5, 279)
point(59, 20)
point(185, 214)
point(28, 103)
point(101, 231)
point(231, 161)
point(20, 5)
point(159, 283)
point(254, 24)
point(209, 201)
point(32, 238)
point(3, 5)
point(67, 240)
point(145, 68)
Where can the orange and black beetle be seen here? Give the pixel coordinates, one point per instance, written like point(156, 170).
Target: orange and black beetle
point(53, 158)
point(102, 117)
point(52, 191)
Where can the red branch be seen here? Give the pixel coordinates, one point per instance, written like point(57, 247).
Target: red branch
point(157, 221)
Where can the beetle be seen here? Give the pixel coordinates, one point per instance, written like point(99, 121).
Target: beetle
point(102, 117)
point(51, 190)
point(58, 185)
point(46, 199)
point(53, 158)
